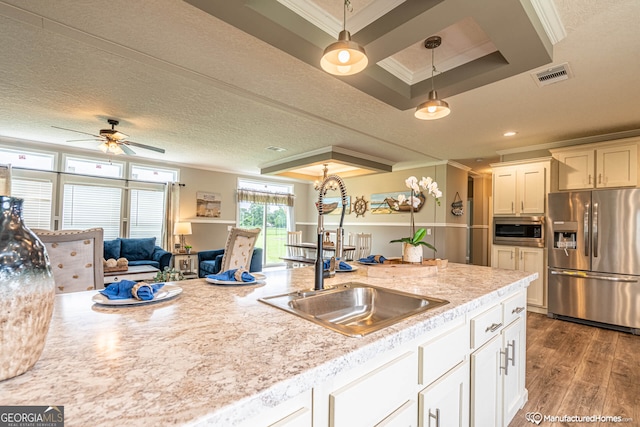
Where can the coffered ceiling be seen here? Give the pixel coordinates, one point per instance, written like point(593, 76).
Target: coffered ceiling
point(218, 84)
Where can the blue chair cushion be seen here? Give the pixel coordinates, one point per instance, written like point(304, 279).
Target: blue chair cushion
point(112, 249)
point(138, 249)
point(155, 264)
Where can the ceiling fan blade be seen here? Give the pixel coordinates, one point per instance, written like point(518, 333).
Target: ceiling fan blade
point(81, 140)
point(127, 150)
point(77, 131)
point(147, 147)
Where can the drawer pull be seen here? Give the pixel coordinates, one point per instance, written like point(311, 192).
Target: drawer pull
point(517, 310)
point(494, 327)
point(512, 344)
point(435, 416)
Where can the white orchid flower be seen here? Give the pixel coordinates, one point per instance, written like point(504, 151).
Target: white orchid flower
point(425, 182)
point(416, 202)
point(401, 198)
point(437, 194)
point(412, 183)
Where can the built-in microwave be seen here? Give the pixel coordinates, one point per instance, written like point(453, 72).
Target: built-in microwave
point(519, 231)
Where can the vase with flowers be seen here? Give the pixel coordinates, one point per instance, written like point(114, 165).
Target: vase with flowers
point(412, 246)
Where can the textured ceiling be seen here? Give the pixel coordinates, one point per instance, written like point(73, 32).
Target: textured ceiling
point(214, 96)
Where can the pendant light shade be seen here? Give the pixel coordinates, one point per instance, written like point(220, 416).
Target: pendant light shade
point(434, 108)
point(344, 57)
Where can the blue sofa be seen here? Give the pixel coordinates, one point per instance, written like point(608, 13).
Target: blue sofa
point(138, 252)
point(209, 262)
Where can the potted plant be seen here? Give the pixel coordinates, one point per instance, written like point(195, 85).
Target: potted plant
point(412, 245)
point(187, 248)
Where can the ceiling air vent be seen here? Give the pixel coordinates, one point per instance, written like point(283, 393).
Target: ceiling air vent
point(552, 75)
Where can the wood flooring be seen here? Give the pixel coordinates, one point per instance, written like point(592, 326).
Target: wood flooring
point(579, 370)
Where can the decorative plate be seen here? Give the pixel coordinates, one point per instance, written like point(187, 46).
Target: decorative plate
point(163, 294)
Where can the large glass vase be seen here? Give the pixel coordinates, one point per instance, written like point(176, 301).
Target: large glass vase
point(27, 291)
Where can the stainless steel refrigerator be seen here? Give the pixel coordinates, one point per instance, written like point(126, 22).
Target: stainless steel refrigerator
point(594, 257)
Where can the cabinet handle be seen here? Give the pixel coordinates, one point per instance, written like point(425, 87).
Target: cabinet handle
point(521, 205)
point(589, 179)
point(435, 416)
point(517, 310)
point(599, 178)
point(494, 327)
point(512, 344)
point(505, 353)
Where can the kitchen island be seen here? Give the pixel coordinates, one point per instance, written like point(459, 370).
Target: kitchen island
point(215, 355)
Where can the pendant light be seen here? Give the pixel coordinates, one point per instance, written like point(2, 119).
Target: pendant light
point(434, 108)
point(344, 57)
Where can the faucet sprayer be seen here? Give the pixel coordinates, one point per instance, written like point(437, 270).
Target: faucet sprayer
point(319, 266)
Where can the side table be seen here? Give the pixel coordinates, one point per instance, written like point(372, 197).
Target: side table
point(186, 263)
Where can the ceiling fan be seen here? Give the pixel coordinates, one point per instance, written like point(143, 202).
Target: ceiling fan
point(113, 141)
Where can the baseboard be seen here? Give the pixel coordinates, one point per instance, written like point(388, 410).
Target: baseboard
point(536, 309)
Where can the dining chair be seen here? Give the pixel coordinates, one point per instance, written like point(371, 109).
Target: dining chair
point(293, 238)
point(362, 243)
point(239, 248)
point(76, 258)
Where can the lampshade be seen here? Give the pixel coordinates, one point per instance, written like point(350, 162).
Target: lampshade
point(182, 228)
point(433, 109)
point(111, 147)
point(344, 57)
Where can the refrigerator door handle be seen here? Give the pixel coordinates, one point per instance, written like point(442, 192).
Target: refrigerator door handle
point(583, 275)
point(586, 229)
point(595, 230)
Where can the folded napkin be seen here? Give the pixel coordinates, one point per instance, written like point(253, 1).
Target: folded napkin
point(235, 275)
point(341, 266)
point(375, 259)
point(125, 289)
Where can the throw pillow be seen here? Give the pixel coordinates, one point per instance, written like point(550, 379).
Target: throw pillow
point(138, 249)
point(112, 249)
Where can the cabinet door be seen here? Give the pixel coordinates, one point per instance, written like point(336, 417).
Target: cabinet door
point(575, 170)
point(445, 402)
point(617, 166)
point(531, 260)
point(486, 384)
point(504, 257)
point(513, 343)
point(531, 190)
point(504, 191)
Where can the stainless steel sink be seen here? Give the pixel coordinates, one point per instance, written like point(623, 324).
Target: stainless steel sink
point(354, 309)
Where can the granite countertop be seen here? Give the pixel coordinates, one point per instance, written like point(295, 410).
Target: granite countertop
point(215, 355)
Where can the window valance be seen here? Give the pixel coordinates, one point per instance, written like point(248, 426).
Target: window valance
point(253, 196)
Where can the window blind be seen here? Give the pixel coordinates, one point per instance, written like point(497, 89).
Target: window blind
point(146, 215)
point(87, 206)
point(37, 196)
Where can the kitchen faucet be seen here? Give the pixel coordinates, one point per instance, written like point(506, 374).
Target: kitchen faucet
point(319, 266)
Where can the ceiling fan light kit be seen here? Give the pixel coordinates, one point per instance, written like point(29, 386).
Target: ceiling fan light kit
point(344, 57)
point(433, 108)
point(113, 141)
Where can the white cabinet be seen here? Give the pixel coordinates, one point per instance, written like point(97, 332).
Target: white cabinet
point(526, 259)
point(520, 189)
point(497, 387)
point(445, 401)
point(598, 166)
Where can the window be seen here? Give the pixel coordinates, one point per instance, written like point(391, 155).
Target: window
point(27, 159)
point(145, 173)
point(93, 167)
point(38, 200)
point(146, 214)
point(267, 206)
point(87, 206)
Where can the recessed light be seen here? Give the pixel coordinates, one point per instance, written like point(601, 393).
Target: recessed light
point(277, 149)
point(510, 133)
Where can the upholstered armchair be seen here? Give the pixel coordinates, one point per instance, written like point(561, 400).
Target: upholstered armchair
point(239, 252)
point(76, 258)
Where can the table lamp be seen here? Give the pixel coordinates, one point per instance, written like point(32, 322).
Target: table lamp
point(182, 228)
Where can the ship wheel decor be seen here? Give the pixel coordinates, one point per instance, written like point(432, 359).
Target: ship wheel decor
point(360, 206)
